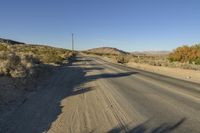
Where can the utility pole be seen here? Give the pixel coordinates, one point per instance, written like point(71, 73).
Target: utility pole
point(72, 43)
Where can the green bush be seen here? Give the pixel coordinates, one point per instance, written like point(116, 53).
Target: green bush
point(197, 61)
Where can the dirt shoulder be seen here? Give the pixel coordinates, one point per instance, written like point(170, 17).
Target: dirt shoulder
point(184, 74)
point(189, 75)
point(14, 92)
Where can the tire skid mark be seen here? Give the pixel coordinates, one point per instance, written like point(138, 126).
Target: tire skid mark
point(114, 108)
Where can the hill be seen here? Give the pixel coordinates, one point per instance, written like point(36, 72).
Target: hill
point(106, 50)
point(8, 41)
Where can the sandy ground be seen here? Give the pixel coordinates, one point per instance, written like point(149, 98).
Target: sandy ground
point(189, 75)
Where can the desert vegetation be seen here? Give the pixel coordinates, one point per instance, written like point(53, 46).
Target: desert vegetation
point(22, 60)
point(21, 65)
point(186, 57)
point(17, 65)
point(186, 54)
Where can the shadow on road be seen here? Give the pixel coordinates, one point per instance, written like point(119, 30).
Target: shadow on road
point(142, 128)
point(37, 114)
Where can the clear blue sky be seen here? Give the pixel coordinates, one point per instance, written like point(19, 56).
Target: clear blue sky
point(126, 24)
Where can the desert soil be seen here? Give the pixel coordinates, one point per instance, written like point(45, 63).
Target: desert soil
point(184, 74)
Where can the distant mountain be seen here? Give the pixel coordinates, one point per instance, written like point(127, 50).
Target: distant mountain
point(107, 50)
point(151, 52)
point(8, 41)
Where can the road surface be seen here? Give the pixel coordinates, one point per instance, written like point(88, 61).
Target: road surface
point(94, 96)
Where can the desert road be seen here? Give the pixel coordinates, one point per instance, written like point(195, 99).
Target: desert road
point(90, 95)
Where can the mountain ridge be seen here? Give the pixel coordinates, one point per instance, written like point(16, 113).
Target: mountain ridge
point(9, 41)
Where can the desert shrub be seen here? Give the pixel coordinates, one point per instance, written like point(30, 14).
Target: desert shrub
point(45, 54)
point(53, 55)
point(18, 66)
point(22, 64)
point(3, 47)
point(121, 58)
point(51, 58)
point(197, 61)
point(9, 61)
point(29, 60)
point(190, 54)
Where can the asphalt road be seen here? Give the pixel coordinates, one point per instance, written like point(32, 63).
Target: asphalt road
point(92, 95)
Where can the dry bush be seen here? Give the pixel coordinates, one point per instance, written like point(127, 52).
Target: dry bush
point(163, 61)
point(50, 54)
point(51, 58)
point(21, 66)
point(45, 54)
point(184, 57)
point(17, 66)
point(122, 58)
point(3, 47)
point(22, 60)
point(190, 54)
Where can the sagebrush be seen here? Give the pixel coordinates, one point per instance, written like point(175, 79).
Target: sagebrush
point(22, 60)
